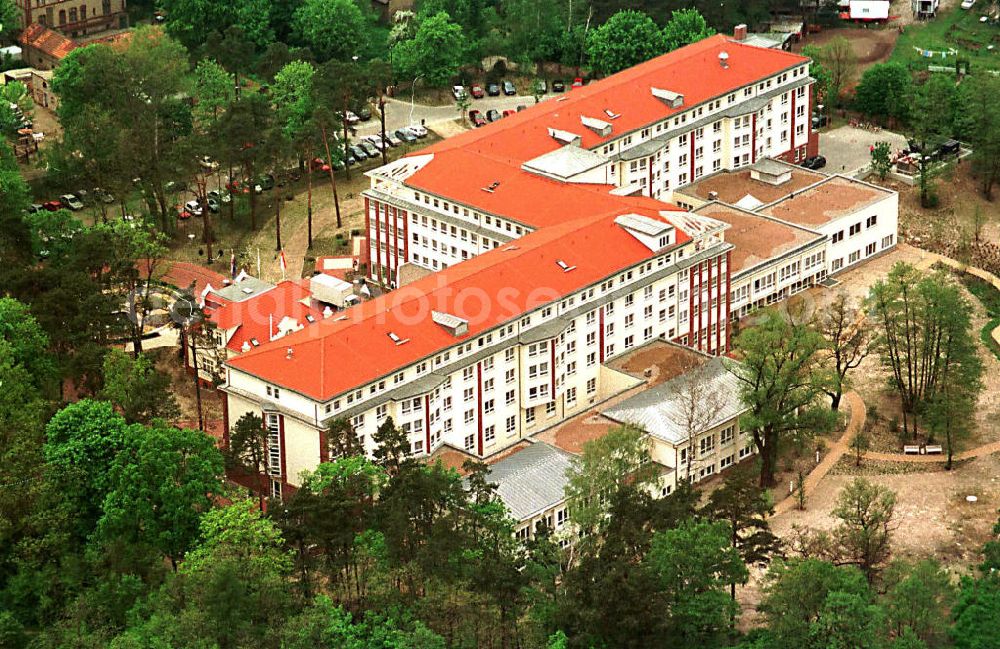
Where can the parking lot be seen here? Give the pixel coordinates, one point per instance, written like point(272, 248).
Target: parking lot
point(847, 148)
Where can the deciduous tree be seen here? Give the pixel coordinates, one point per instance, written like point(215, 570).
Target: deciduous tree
point(435, 53)
point(864, 535)
point(626, 39)
point(685, 26)
point(332, 29)
point(745, 507)
point(161, 485)
point(140, 391)
point(780, 380)
point(849, 341)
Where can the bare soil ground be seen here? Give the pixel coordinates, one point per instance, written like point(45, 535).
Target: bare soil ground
point(871, 45)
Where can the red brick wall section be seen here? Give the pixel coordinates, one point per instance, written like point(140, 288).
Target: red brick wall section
point(479, 406)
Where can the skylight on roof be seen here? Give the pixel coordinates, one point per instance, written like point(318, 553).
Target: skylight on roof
point(247, 290)
point(612, 114)
point(565, 267)
point(254, 342)
point(394, 337)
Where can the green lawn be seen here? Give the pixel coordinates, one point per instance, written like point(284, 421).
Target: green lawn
point(953, 28)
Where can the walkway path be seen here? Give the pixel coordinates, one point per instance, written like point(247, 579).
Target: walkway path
point(833, 455)
point(972, 453)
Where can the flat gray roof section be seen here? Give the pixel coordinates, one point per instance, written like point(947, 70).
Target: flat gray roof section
point(532, 480)
point(565, 162)
point(662, 411)
point(245, 289)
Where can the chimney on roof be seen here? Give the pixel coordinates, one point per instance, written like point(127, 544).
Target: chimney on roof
point(713, 196)
point(740, 32)
point(724, 59)
point(288, 353)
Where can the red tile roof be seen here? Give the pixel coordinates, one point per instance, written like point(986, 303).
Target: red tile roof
point(46, 40)
point(575, 223)
point(258, 317)
point(182, 274)
point(337, 355)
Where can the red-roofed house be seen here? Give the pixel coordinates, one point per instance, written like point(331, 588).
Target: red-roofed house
point(551, 249)
point(249, 313)
point(44, 48)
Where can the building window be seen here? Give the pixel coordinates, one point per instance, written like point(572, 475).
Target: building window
point(550, 408)
point(529, 416)
point(706, 445)
point(470, 442)
point(511, 425)
point(490, 433)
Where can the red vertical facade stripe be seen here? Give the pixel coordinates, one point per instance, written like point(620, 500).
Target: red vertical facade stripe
point(427, 422)
point(729, 287)
point(600, 332)
point(479, 406)
point(718, 310)
point(753, 138)
point(791, 135)
point(707, 307)
point(692, 156)
point(406, 239)
point(323, 454)
point(691, 324)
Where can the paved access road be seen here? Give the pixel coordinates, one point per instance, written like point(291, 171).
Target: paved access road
point(399, 112)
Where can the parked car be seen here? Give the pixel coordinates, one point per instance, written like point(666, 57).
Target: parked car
point(493, 115)
point(71, 202)
point(418, 130)
point(35, 208)
point(406, 135)
point(374, 141)
point(521, 107)
point(457, 92)
point(509, 112)
point(222, 197)
point(819, 121)
point(476, 118)
point(967, 4)
point(369, 148)
point(264, 183)
point(207, 163)
point(213, 204)
point(364, 113)
point(477, 91)
point(83, 195)
point(194, 207)
point(352, 118)
point(392, 139)
point(182, 213)
point(175, 186)
point(949, 148)
point(558, 86)
point(509, 89)
point(578, 82)
point(815, 162)
point(359, 154)
point(542, 86)
point(52, 206)
point(319, 164)
point(493, 89)
point(103, 196)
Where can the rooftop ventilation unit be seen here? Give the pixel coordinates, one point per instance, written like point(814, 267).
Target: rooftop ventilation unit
point(493, 187)
point(599, 126)
point(724, 59)
point(565, 136)
point(611, 114)
point(713, 196)
point(289, 353)
point(565, 267)
point(452, 323)
point(669, 97)
point(396, 339)
point(254, 342)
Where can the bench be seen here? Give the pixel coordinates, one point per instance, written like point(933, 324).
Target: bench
point(934, 449)
point(911, 450)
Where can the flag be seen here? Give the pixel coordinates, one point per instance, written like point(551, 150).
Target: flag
point(281, 260)
point(232, 264)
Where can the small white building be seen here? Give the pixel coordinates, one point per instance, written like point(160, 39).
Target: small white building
point(864, 10)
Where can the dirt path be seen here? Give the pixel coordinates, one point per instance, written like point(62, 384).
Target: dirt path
point(833, 455)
